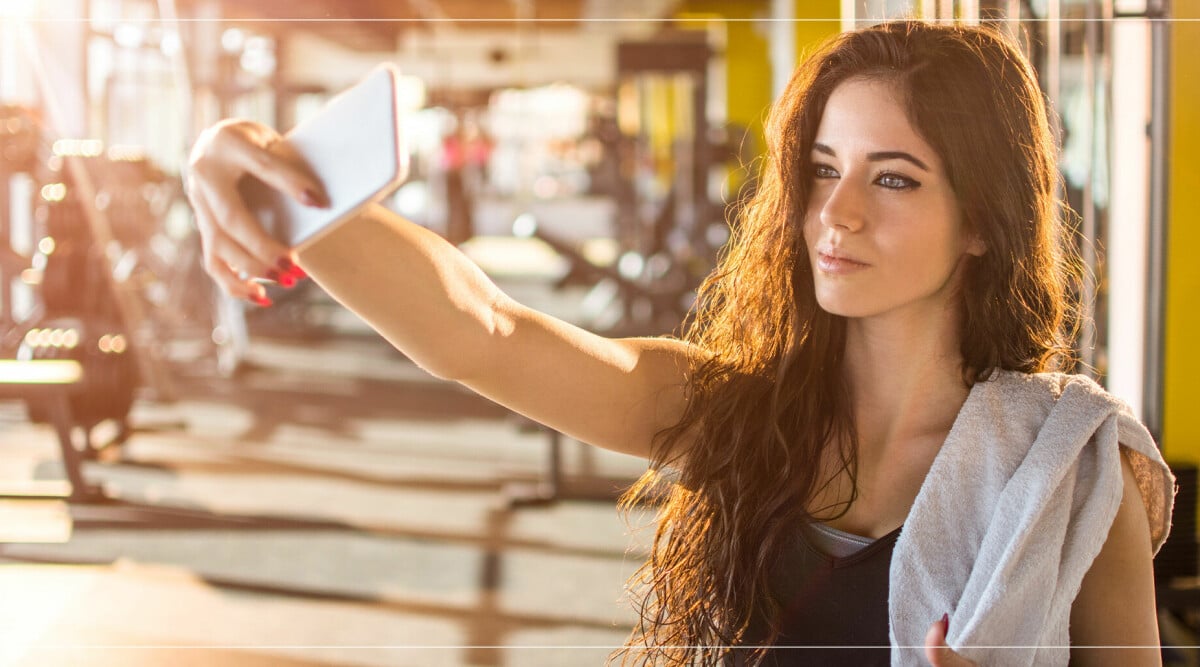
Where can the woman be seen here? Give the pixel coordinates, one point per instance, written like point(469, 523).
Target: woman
point(869, 370)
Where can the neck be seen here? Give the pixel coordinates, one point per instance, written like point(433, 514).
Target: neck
point(904, 372)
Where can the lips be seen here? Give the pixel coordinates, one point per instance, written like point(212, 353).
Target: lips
point(834, 261)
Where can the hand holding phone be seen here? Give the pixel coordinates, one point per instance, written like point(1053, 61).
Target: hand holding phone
point(354, 148)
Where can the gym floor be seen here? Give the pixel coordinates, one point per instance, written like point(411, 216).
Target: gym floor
point(333, 505)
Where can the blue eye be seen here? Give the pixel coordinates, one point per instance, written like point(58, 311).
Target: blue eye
point(824, 171)
point(896, 182)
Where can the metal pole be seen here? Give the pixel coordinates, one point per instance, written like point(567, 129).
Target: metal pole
point(1160, 36)
point(1089, 230)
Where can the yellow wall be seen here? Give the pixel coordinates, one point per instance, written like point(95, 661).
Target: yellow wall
point(1181, 394)
point(747, 59)
point(810, 33)
point(747, 53)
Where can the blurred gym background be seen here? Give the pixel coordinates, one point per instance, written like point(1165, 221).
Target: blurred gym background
point(190, 480)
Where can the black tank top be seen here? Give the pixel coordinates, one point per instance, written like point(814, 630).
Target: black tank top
point(835, 609)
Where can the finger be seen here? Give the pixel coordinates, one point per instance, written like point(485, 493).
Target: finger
point(938, 652)
point(243, 264)
point(220, 159)
point(267, 157)
point(230, 216)
point(230, 279)
point(212, 188)
point(217, 262)
point(233, 285)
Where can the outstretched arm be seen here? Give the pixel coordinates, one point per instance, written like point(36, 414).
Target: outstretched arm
point(435, 305)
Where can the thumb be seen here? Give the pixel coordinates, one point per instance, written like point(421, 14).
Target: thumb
point(936, 650)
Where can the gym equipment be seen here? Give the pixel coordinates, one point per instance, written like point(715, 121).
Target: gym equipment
point(644, 294)
point(77, 321)
point(19, 136)
point(135, 194)
point(72, 275)
point(109, 375)
point(555, 485)
point(19, 143)
point(49, 382)
point(668, 230)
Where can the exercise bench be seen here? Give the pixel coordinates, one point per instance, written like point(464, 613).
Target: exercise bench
point(51, 382)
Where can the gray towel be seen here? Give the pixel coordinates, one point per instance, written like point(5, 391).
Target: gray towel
point(1014, 510)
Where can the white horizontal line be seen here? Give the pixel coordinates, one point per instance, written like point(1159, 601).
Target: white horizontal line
point(672, 19)
point(524, 647)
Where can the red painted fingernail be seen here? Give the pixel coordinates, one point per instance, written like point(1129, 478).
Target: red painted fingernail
point(261, 300)
point(285, 265)
point(945, 625)
point(310, 198)
point(273, 275)
point(299, 273)
point(287, 280)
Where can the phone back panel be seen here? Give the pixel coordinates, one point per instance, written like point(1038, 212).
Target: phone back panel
point(354, 147)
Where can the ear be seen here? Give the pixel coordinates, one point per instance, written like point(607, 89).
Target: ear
point(975, 245)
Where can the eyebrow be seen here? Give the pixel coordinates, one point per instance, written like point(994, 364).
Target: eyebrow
point(878, 156)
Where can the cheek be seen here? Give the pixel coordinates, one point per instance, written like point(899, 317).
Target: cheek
point(816, 201)
point(927, 256)
point(934, 227)
point(810, 227)
point(918, 235)
point(807, 230)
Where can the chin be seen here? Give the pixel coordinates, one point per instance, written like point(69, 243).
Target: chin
point(844, 307)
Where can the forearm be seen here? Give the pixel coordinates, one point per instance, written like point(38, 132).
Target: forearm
point(418, 291)
point(436, 306)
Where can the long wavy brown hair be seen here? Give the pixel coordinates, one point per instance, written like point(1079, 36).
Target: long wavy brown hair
point(768, 396)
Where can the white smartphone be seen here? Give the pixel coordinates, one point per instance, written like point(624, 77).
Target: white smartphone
point(353, 146)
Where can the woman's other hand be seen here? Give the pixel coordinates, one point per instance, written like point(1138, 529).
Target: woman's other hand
point(236, 248)
point(936, 650)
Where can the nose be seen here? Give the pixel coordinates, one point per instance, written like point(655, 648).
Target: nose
point(843, 207)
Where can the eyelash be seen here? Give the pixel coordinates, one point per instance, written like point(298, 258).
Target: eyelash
point(906, 183)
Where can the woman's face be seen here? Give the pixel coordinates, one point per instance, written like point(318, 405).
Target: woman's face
point(883, 228)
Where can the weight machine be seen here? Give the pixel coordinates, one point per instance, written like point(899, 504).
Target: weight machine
point(668, 229)
point(110, 287)
point(73, 363)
